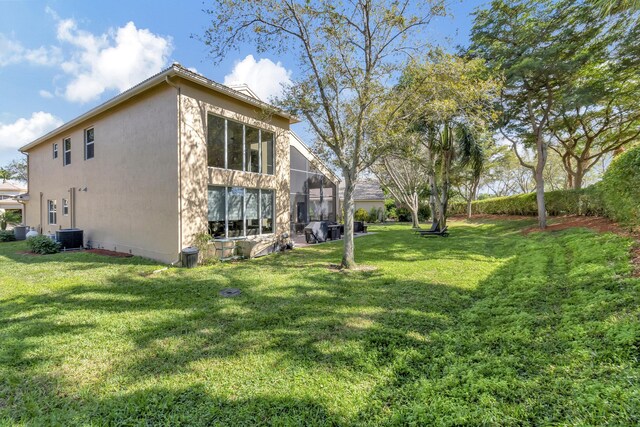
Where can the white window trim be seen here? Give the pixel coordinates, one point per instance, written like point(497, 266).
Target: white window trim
point(65, 151)
point(86, 143)
point(52, 209)
point(65, 207)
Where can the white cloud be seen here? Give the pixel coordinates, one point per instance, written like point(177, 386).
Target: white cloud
point(118, 59)
point(22, 131)
point(45, 94)
point(13, 52)
point(264, 77)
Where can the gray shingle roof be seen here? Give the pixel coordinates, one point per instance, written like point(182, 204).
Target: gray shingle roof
point(366, 189)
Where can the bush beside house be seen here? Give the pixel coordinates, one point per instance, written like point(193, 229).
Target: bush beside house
point(43, 245)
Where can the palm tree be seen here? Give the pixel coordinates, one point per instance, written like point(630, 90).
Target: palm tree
point(449, 147)
point(5, 175)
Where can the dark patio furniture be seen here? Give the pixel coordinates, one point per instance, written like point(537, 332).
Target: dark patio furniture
point(442, 233)
point(435, 226)
point(316, 232)
point(334, 232)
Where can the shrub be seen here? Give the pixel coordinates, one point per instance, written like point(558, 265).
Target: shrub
point(620, 188)
point(361, 215)
point(374, 215)
point(404, 214)
point(7, 236)
point(42, 245)
point(424, 213)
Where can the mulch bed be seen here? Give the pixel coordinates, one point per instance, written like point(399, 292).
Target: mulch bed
point(109, 253)
point(93, 251)
point(595, 223)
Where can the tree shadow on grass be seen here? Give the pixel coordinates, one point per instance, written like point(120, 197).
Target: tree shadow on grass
point(502, 353)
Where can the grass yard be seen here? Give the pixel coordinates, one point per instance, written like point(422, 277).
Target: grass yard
point(486, 327)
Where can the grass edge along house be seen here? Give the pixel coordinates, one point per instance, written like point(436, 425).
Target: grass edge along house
point(176, 156)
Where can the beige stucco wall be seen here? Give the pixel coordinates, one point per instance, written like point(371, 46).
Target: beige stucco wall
point(131, 198)
point(196, 102)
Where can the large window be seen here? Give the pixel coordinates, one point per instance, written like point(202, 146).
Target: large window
point(237, 146)
point(267, 152)
point(216, 129)
point(66, 146)
point(88, 144)
point(217, 212)
point(236, 212)
point(53, 215)
point(252, 140)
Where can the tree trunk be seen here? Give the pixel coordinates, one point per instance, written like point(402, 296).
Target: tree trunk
point(432, 207)
point(539, 176)
point(577, 182)
point(472, 195)
point(414, 217)
point(348, 260)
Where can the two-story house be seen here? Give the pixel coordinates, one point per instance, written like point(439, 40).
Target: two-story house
point(173, 157)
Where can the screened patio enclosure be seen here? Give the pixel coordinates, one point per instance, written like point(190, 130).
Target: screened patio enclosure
point(313, 195)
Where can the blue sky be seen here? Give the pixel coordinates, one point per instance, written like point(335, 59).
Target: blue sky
point(60, 58)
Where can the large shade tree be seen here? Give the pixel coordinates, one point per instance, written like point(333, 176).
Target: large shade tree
point(541, 47)
point(347, 56)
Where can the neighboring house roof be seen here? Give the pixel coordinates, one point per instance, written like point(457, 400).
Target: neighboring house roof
point(366, 189)
point(11, 187)
point(174, 70)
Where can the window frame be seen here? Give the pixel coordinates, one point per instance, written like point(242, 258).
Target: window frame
point(52, 212)
point(65, 207)
point(246, 164)
point(66, 162)
point(227, 195)
point(87, 143)
point(55, 150)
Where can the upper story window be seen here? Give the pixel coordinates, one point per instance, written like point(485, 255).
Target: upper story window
point(53, 216)
point(236, 146)
point(66, 146)
point(88, 144)
point(55, 150)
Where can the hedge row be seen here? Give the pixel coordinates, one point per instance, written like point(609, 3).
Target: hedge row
point(563, 202)
point(617, 196)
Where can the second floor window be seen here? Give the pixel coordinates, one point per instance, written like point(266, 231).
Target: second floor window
point(67, 151)
point(236, 146)
point(55, 150)
point(88, 144)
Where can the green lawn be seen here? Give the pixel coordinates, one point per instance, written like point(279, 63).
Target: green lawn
point(486, 327)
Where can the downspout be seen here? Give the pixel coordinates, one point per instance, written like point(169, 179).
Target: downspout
point(179, 167)
point(41, 222)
